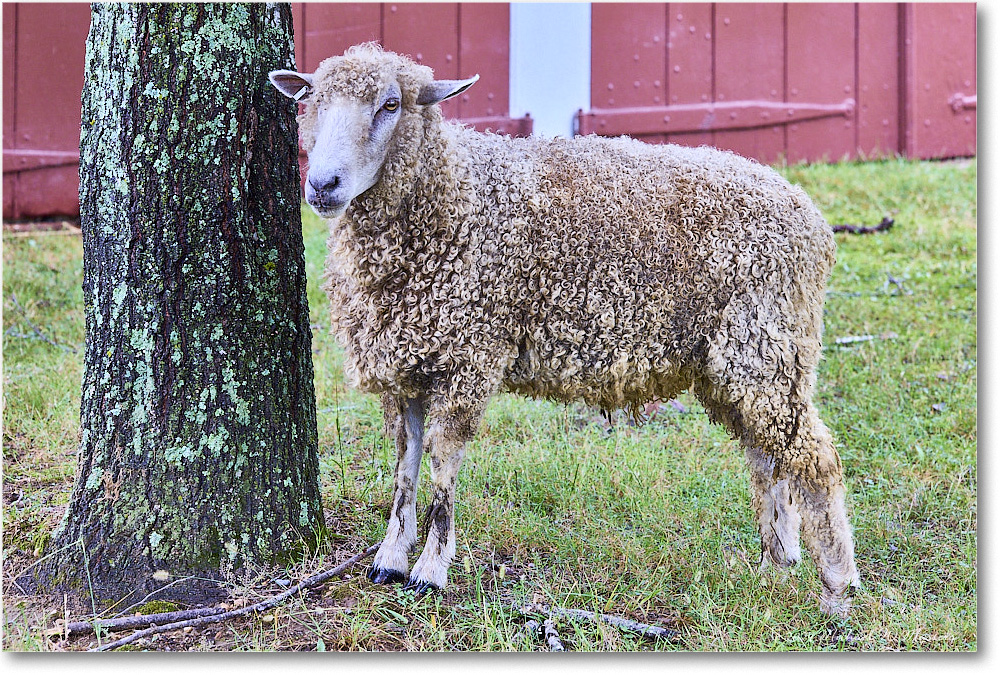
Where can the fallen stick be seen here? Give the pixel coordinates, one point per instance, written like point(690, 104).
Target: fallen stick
point(852, 339)
point(127, 622)
point(195, 622)
point(546, 630)
point(886, 223)
point(552, 637)
point(616, 621)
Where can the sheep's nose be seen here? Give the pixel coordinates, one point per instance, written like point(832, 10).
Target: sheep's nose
point(325, 192)
point(323, 186)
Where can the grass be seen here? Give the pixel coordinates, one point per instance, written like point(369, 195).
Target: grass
point(651, 523)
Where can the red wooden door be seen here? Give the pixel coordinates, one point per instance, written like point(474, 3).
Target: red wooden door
point(820, 62)
point(44, 48)
point(796, 81)
point(940, 48)
point(9, 51)
point(690, 65)
point(635, 47)
point(457, 40)
point(879, 61)
point(750, 66)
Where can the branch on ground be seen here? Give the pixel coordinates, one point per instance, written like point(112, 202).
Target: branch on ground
point(552, 637)
point(546, 629)
point(128, 622)
point(643, 629)
point(885, 225)
point(853, 339)
point(197, 617)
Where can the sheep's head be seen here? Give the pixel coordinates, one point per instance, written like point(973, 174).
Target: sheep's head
point(360, 107)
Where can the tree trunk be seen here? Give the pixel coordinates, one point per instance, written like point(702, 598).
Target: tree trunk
point(198, 416)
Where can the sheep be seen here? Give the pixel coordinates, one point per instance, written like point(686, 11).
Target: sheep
point(609, 271)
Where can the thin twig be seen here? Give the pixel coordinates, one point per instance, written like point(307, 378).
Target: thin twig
point(852, 339)
point(616, 621)
point(885, 225)
point(274, 601)
point(36, 329)
point(898, 283)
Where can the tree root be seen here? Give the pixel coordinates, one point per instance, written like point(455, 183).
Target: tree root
point(197, 617)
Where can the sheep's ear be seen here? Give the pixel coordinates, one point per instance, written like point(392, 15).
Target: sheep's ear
point(441, 90)
point(297, 86)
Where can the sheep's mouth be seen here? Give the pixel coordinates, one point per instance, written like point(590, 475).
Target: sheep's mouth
point(328, 209)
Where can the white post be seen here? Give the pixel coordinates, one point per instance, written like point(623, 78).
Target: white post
point(549, 64)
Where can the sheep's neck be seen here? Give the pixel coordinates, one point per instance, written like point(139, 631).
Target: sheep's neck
point(394, 229)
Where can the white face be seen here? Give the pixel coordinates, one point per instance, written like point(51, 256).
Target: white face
point(352, 141)
point(353, 136)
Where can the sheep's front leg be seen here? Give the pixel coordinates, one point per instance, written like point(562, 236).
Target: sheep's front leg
point(448, 433)
point(407, 418)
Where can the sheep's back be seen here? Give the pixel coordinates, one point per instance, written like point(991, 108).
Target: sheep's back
point(621, 257)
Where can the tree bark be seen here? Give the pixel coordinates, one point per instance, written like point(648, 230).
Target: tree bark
point(198, 452)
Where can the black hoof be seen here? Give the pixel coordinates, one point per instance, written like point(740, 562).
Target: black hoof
point(419, 587)
point(380, 576)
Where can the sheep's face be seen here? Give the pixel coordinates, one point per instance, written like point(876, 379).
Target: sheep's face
point(352, 141)
point(354, 105)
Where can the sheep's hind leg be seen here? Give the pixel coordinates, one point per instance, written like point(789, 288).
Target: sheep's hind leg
point(777, 517)
point(805, 470)
point(817, 487)
point(391, 564)
point(448, 433)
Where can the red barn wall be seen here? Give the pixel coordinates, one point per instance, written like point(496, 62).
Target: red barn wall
point(794, 82)
point(813, 82)
point(43, 53)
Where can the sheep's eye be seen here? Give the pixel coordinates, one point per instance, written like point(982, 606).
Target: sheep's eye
point(392, 105)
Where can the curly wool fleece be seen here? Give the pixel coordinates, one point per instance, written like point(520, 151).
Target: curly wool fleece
point(604, 270)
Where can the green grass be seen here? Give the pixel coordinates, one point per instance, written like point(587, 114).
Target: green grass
point(651, 523)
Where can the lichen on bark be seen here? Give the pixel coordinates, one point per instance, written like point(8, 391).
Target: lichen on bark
point(198, 445)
